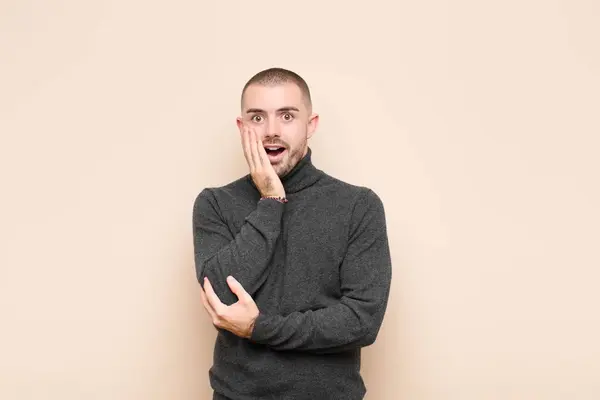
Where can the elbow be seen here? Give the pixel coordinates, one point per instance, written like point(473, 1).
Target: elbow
point(218, 284)
point(372, 337)
point(369, 338)
point(371, 332)
point(367, 324)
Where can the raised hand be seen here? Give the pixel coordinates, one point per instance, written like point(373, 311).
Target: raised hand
point(262, 172)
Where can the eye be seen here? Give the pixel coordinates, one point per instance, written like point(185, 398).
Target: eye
point(256, 118)
point(288, 117)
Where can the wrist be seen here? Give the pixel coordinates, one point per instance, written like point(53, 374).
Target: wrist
point(250, 330)
point(281, 199)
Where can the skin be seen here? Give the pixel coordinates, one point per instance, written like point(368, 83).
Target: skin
point(270, 114)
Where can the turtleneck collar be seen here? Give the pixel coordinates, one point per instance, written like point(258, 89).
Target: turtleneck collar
point(303, 175)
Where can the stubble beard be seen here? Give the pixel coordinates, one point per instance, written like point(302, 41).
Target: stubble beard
point(294, 156)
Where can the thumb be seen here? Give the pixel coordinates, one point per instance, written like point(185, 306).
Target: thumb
point(238, 289)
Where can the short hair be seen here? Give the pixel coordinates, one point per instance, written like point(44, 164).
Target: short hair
point(277, 76)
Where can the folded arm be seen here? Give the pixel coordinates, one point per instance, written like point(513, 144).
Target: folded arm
point(365, 277)
point(246, 255)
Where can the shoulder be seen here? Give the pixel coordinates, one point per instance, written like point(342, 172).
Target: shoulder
point(365, 211)
point(360, 197)
point(367, 217)
point(363, 206)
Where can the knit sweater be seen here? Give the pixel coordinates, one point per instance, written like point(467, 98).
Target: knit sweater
point(318, 268)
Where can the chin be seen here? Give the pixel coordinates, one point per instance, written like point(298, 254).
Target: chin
point(281, 172)
point(287, 164)
point(282, 169)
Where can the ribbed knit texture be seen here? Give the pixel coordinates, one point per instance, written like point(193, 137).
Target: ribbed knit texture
point(319, 270)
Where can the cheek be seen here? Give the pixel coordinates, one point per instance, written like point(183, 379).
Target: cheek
point(259, 129)
point(293, 135)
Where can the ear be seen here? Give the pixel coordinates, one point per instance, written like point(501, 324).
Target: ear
point(313, 122)
point(240, 123)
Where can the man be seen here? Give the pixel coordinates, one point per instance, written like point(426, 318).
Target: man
point(294, 264)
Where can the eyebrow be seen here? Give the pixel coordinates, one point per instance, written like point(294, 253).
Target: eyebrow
point(283, 109)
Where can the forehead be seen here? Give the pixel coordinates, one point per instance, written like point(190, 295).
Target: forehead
point(273, 97)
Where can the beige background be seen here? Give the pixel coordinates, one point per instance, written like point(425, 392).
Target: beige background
point(476, 122)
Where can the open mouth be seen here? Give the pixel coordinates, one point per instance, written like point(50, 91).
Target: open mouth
point(274, 151)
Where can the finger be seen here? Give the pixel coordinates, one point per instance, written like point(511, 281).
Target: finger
point(207, 306)
point(262, 154)
point(210, 311)
point(247, 143)
point(213, 299)
point(237, 288)
point(244, 142)
point(254, 147)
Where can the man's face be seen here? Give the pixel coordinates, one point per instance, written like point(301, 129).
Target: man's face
point(281, 119)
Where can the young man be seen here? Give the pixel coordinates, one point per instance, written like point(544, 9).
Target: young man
point(294, 264)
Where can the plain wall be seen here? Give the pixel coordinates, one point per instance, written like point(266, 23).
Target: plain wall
point(476, 122)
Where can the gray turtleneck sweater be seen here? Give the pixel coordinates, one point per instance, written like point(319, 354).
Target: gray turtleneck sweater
point(319, 270)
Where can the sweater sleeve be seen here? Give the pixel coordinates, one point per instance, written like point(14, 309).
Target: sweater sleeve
point(365, 278)
point(246, 255)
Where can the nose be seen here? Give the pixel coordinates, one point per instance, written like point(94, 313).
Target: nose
point(272, 128)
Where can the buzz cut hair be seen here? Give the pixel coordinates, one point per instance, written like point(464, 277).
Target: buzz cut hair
point(277, 76)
